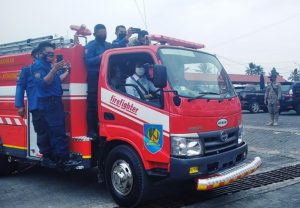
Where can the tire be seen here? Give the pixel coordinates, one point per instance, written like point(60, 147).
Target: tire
point(265, 109)
point(254, 107)
point(126, 162)
point(5, 166)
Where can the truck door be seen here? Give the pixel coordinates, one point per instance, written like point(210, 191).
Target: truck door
point(32, 150)
point(144, 123)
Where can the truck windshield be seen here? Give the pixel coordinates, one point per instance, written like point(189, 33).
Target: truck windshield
point(195, 74)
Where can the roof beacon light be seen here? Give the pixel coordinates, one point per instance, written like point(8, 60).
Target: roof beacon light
point(81, 31)
point(164, 40)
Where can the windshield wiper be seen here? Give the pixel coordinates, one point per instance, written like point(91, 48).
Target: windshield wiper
point(202, 94)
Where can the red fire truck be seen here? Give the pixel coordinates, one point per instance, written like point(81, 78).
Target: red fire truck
point(191, 130)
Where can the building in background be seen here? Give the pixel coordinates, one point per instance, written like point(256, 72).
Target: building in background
point(242, 79)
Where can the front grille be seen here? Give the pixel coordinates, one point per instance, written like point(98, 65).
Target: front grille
point(215, 143)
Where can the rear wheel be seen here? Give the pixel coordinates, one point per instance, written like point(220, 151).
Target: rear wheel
point(125, 176)
point(254, 107)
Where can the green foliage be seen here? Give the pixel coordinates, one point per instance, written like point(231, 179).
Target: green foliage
point(273, 72)
point(254, 69)
point(295, 75)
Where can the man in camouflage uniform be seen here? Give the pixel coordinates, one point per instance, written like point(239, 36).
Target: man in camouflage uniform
point(272, 98)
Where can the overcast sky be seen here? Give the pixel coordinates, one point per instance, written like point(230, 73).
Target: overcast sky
point(266, 32)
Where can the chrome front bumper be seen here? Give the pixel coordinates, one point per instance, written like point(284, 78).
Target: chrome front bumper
point(228, 176)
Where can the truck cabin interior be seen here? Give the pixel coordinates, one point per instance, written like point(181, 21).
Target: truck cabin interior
point(122, 66)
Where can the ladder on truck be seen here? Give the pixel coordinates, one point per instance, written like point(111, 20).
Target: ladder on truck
point(26, 46)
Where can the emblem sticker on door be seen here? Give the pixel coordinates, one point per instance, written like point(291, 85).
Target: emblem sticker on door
point(153, 137)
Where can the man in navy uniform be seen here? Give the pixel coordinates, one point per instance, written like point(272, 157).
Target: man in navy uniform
point(48, 78)
point(25, 82)
point(92, 58)
point(122, 37)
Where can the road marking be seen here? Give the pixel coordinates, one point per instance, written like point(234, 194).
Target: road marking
point(265, 150)
point(275, 129)
point(272, 152)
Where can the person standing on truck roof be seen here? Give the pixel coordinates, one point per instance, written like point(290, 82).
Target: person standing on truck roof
point(272, 99)
point(25, 82)
point(122, 37)
point(92, 58)
point(140, 40)
point(48, 78)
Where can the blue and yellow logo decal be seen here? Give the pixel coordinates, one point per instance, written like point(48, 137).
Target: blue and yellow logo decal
point(153, 137)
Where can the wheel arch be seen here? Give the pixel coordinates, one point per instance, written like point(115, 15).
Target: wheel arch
point(111, 143)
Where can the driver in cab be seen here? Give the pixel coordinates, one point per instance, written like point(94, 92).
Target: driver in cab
point(140, 80)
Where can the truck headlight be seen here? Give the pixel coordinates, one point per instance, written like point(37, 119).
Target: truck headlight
point(181, 146)
point(240, 134)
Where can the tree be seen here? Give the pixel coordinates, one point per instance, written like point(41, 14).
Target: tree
point(295, 75)
point(274, 72)
point(205, 68)
point(261, 81)
point(259, 70)
point(254, 69)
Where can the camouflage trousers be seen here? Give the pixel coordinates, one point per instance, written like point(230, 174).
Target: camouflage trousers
point(273, 108)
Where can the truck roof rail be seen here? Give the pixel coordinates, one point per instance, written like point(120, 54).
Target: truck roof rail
point(165, 40)
point(27, 45)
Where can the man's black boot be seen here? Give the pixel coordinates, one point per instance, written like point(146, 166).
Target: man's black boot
point(48, 162)
point(69, 162)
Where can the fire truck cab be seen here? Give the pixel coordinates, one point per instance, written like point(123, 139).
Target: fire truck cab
point(190, 130)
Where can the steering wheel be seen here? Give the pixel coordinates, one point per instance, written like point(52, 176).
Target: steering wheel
point(154, 94)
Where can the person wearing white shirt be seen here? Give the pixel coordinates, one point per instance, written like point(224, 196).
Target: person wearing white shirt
point(139, 79)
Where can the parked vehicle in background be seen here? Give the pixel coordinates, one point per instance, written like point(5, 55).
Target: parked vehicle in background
point(239, 89)
point(290, 99)
point(296, 97)
point(252, 99)
point(286, 102)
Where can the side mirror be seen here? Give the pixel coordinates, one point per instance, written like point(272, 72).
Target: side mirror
point(160, 76)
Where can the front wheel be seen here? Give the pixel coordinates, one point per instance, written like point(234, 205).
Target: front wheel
point(125, 176)
point(254, 107)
